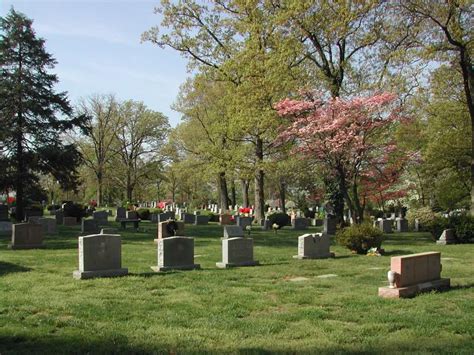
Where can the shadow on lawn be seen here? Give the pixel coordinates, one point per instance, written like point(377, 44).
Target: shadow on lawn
point(9, 268)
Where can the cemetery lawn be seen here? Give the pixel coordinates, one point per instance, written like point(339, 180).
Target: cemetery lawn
point(284, 305)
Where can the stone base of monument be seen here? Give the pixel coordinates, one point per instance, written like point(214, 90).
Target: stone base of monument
point(25, 246)
point(237, 252)
point(222, 265)
point(82, 275)
point(303, 257)
point(175, 253)
point(413, 290)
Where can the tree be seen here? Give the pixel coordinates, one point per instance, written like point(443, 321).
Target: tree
point(97, 147)
point(139, 138)
point(29, 109)
point(348, 137)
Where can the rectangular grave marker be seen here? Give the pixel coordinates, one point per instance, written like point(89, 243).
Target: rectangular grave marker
point(237, 252)
point(26, 236)
point(175, 253)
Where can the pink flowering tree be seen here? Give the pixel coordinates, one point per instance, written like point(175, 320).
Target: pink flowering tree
point(351, 139)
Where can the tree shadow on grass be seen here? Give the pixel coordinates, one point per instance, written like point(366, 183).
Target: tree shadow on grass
point(459, 287)
point(9, 268)
point(398, 252)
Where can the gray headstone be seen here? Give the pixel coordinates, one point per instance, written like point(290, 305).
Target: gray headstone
point(175, 253)
point(59, 217)
point(385, 225)
point(329, 226)
point(69, 221)
point(49, 225)
point(5, 227)
point(237, 252)
point(299, 223)
point(132, 215)
point(233, 232)
point(89, 226)
point(201, 220)
point(447, 237)
point(314, 246)
point(243, 221)
point(109, 231)
point(417, 225)
point(34, 219)
point(4, 213)
point(100, 255)
point(188, 218)
point(101, 216)
point(32, 212)
point(163, 217)
point(121, 213)
point(402, 225)
point(266, 224)
point(26, 236)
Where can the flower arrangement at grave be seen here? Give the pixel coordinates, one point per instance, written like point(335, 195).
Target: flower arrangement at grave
point(245, 211)
point(248, 229)
point(275, 227)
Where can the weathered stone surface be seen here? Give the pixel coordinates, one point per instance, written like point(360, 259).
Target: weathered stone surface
point(237, 252)
point(175, 253)
point(102, 217)
point(163, 217)
point(89, 226)
point(225, 219)
point(33, 220)
point(170, 229)
point(188, 218)
point(4, 213)
point(32, 212)
point(132, 215)
point(49, 225)
point(417, 225)
point(233, 232)
point(201, 220)
point(402, 225)
point(6, 227)
point(70, 221)
point(415, 273)
point(266, 224)
point(329, 226)
point(109, 231)
point(385, 225)
point(299, 223)
point(26, 236)
point(243, 221)
point(447, 237)
point(121, 213)
point(314, 246)
point(59, 217)
point(100, 255)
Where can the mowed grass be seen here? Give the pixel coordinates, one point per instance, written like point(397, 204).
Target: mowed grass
point(242, 310)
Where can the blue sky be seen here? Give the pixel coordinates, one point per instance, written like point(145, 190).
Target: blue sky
point(97, 46)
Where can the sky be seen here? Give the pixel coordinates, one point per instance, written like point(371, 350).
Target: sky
point(97, 46)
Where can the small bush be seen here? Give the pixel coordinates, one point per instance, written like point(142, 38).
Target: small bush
point(425, 216)
point(212, 216)
point(360, 237)
point(464, 226)
point(74, 210)
point(282, 219)
point(309, 214)
point(436, 226)
point(143, 213)
point(155, 210)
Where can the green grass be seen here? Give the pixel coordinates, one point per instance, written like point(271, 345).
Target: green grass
point(242, 310)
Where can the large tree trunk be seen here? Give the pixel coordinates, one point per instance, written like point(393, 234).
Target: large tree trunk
point(100, 182)
point(259, 208)
point(245, 192)
point(223, 193)
point(282, 190)
point(20, 204)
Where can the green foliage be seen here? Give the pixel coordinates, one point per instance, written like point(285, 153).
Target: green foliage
point(212, 216)
point(53, 207)
point(309, 214)
point(425, 216)
point(155, 210)
point(143, 213)
point(462, 224)
point(282, 219)
point(360, 237)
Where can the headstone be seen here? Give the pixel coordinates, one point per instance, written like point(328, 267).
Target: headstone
point(175, 253)
point(59, 217)
point(32, 212)
point(26, 236)
point(188, 218)
point(100, 255)
point(154, 218)
point(225, 219)
point(121, 213)
point(233, 232)
point(163, 217)
point(5, 227)
point(237, 252)
point(417, 225)
point(314, 246)
point(89, 226)
point(385, 225)
point(49, 225)
point(201, 220)
point(402, 225)
point(330, 226)
point(132, 215)
point(34, 219)
point(411, 274)
point(69, 221)
point(266, 224)
point(299, 223)
point(197, 213)
point(109, 231)
point(243, 221)
point(102, 217)
point(4, 213)
point(447, 237)
point(170, 229)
